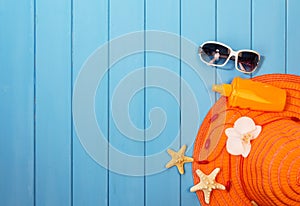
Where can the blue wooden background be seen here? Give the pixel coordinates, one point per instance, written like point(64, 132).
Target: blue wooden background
point(43, 45)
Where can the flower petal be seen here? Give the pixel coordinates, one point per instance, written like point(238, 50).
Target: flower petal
point(244, 125)
point(234, 146)
point(233, 133)
point(246, 150)
point(256, 132)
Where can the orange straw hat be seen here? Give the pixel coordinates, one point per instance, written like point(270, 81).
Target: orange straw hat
point(270, 174)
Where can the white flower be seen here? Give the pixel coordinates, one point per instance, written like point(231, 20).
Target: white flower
point(239, 137)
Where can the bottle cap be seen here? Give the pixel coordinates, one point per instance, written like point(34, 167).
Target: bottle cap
point(223, 89)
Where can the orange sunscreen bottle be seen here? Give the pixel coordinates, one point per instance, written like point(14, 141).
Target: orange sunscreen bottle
point(245, 93)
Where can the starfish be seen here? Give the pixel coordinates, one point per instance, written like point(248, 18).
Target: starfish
point(207, 183)
point(178, 159)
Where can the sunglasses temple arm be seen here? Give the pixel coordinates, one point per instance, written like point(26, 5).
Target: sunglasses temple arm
point(199, 50)
point(262, 59)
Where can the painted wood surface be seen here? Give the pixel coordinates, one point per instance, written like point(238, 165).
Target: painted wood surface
point(125, 189)
point(53, 104)
point(17, 109)
point(89, 181)
point(153, 94)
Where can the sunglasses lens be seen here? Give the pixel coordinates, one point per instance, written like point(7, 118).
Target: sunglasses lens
point(247, 61)
point(213, 53)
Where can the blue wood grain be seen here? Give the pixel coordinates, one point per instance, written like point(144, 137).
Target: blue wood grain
point(292, 37)
point(268, 35)
point(233, 29)
point(53, 103)
point(200, 84)
point(17, 102)
point(90, 183)
point(124, 188)
point(163, 188)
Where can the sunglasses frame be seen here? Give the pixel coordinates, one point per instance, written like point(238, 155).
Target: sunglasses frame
point(231, 54)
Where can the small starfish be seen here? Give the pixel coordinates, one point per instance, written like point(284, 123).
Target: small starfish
point(254, 203)
point(207, 183)
point(178, 159)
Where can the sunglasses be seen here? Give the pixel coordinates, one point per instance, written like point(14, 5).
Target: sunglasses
point(218, 54)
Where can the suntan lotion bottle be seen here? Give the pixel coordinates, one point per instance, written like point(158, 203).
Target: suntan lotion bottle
point(245, 93)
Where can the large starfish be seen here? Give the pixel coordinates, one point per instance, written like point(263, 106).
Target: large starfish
point(207, 183)
point(178, 159)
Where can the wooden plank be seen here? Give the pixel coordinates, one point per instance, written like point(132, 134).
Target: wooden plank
point(269, 35)
point(90, 183)
point(163, 188)
point(233, 29)
point(292, 37)
point(125, 188)
point(199, 78)
point(53, 103)
point(17, 103)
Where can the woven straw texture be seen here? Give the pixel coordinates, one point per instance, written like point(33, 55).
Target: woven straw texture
point(270, 175)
